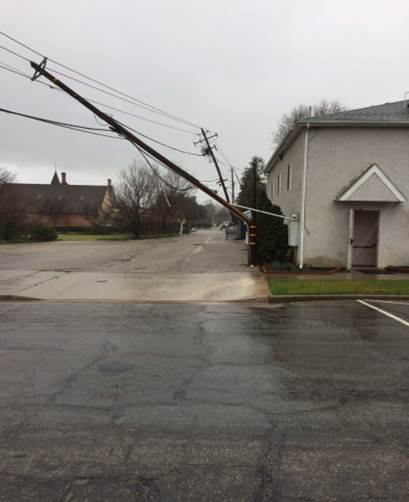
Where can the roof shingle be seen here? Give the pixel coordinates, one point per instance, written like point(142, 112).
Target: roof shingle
point(397, 111)
point(71, 199)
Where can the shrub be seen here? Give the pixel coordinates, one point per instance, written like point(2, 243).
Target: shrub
point(43, 233)
point(290, 267)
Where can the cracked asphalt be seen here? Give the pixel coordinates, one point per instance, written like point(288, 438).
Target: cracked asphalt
point(194, 402)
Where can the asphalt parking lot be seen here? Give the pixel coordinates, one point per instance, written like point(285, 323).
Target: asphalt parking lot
point(194, 402)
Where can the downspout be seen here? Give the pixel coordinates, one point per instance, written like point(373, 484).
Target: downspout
point(303, 196)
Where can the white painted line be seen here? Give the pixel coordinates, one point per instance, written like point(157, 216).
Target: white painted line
point(391, 302)
point(384, 312)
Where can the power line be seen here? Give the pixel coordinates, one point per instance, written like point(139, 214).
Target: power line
point(12, 69)
point(15, 53)
point(151, 107)
point(74, 127)
point(141, 118)
point(147, 108)
point(145, 156)
point(160, 142)
point(17, 72)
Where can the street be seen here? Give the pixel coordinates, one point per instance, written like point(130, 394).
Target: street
point(198, 252)
point(204, 402)
point(202, 266)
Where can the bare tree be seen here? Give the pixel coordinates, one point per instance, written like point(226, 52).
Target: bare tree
point(136, 196)
point(54, 209)
point(288, 120)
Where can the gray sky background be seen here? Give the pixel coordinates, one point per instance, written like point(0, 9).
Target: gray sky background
point(233, 66)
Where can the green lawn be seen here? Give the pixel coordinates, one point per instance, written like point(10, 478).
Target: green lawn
point(94, 237)
point(293, 286)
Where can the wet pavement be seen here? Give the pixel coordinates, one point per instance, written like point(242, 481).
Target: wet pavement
point(202, 266)
point(194, 402)
point(198, 252)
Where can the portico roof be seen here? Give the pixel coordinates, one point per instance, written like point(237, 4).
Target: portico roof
point(373, 185)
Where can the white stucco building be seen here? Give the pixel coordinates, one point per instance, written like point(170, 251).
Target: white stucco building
point(346, 177)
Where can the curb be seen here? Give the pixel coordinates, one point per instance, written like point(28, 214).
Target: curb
point(314, 298)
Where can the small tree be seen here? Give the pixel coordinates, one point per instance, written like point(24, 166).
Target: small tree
point(272, 235)
point(245, 197)
point(288, 120)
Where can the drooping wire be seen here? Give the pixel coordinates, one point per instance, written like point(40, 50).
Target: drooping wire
point(155, 171)
point(74, 127)
point(144, 103)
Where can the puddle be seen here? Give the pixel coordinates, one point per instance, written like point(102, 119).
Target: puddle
point(114, 367)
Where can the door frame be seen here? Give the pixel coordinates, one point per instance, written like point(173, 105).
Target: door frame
point(350, 238)
point(351, 227)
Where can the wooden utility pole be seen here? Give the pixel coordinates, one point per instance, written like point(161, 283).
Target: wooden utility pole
point(252, 226)
point(138, 143)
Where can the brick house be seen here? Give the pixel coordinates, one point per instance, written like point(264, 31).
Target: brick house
point(60, 204)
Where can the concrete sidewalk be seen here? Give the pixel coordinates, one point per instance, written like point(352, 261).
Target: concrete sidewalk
point(100, 286)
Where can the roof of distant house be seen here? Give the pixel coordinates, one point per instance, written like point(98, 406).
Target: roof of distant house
point(61, 197)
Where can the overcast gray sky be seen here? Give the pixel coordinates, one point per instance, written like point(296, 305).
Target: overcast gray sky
point(232, 66)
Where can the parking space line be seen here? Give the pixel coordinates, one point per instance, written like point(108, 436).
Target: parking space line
point(388, 314)
point(392, 302)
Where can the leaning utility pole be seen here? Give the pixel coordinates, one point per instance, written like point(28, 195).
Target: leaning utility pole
point(253, 227)
point(139, 144)
point(208, 150)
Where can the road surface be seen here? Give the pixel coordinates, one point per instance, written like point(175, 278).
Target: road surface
point(202, 266)
point(286, 403)
point(202, 251)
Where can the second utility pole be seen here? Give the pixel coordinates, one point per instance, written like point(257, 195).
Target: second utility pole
point(209, 150)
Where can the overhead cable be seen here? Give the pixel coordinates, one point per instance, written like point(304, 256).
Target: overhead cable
point(151, 107)
point(160, 142)
point(155, 171)
point(12, 69)
point(74, 127)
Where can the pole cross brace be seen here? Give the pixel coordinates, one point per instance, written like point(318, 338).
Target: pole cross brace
point(37, 72)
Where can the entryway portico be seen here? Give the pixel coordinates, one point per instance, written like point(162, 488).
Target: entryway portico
point(366, 197)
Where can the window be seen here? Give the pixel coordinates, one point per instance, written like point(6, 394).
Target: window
point(289, 178)
point(278, 184)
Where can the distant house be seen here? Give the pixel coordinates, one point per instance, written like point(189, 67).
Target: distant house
point(60, 204)
point(346, 176)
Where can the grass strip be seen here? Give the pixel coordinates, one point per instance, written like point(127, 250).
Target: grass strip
point(94, 237)
point(293, 286)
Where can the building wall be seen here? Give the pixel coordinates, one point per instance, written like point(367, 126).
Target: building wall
point(64, 220)
point(336, 156)
point(288, 200)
